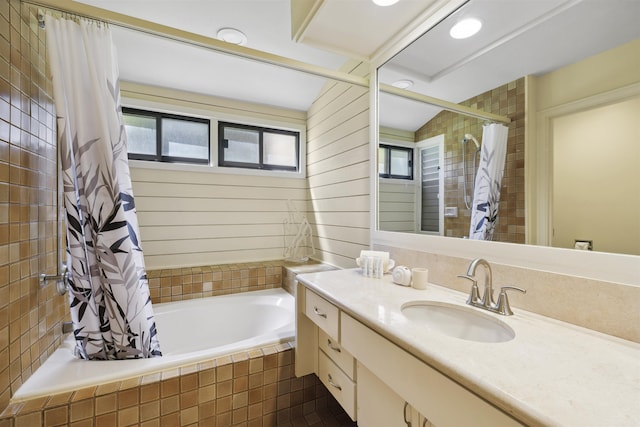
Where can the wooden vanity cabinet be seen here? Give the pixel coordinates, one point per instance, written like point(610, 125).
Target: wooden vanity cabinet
point(379, 406)
point(375, 379)
point(318, 348)
point(444, 402)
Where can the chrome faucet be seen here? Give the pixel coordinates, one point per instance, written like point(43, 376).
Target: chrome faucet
point(487, 302)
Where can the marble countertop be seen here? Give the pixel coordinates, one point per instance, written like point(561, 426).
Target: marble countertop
point(551, 374)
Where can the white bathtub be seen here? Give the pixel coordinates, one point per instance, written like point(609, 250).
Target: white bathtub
point(189, 332)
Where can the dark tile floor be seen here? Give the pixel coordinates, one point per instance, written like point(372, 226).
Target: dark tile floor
point(330, 415)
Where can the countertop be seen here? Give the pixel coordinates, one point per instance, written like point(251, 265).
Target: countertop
point(551, 374)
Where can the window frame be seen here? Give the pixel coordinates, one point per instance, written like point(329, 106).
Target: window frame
point(387, 172)
point(159, 157)
point(260, 165)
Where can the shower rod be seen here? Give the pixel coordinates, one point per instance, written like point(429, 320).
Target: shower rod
point(136, 24)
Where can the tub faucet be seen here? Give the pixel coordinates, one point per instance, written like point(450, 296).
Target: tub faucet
point(487, 297)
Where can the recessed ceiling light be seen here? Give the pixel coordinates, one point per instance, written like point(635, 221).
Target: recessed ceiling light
point(385, 2)
point(231, 35)
point(465, 28)
point(402, 84)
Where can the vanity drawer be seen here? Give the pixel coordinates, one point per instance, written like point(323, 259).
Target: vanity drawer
point(322, 313)
point(339, 355)
point(338, 384)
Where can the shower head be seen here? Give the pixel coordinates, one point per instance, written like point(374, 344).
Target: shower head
point(468, 137)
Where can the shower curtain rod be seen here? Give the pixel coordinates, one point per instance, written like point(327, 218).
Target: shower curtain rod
point(152, 28)
point(450, 106)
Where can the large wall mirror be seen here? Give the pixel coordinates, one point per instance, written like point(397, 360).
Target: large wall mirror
point(567, 76)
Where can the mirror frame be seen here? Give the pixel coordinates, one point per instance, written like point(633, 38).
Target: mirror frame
point(609, 267)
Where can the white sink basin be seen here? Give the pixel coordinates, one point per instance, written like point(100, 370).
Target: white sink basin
point(458, 321)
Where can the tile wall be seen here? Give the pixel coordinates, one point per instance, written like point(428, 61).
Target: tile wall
point(507, 100)
point(30, 316)
point(256, 388)
point(179, 284)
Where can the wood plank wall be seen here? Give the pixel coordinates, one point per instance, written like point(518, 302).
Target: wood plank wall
point(192, 218)
point(397, 198)
point(338, 170)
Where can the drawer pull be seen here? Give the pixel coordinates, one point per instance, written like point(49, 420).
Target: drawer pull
point(332, 347)
point(332, 383)
point(424, 423)
point(406, 421)
point(318, 312)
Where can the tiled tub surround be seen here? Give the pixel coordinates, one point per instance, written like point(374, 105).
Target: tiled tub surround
point(551, 374)
point(610, 308)
point(252, 388)
point(178, 284)
point(30, 315)
point(249, 388)
point(189, 332)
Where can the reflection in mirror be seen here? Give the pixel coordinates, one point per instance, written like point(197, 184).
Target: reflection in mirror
point(581, 185)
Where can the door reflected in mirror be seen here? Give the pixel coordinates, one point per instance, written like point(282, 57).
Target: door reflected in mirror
point(563, 182)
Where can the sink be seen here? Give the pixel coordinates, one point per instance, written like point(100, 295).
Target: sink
point(458, 321)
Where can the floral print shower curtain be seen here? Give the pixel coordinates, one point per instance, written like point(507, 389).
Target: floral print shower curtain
point(109, 293)
point(486, 196)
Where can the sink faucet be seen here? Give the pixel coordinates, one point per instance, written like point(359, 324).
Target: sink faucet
point(487, 297)
point(487, 302)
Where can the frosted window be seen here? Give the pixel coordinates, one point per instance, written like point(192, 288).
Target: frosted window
point(280, 149)
point(185, 139)
point(141, 134)
point(241, 145)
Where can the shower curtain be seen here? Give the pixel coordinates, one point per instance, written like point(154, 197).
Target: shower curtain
point(486, 197)
point(109, 294)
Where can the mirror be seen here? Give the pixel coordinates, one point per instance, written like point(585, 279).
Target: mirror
point(566, 74)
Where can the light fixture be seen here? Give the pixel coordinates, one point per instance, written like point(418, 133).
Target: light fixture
point(385, 2)
point(465, 28)
point(402, 84)
point(231, 35)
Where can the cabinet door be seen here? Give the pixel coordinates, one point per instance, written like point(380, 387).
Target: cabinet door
point(378, 405)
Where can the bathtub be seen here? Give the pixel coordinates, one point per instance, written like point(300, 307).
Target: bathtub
point(189, 331)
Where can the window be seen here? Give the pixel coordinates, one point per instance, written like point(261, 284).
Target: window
point(164, 137)
point(395, 162)
point(253, 147)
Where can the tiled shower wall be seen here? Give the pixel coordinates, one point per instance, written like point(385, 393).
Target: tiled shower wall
point(30, 316)
point(507, 100)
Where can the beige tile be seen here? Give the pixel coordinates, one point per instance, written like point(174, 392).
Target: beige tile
point(149, 410)
point(128, 398)
point(56, 416)
point(82, 409)
point(128, 416)
point(169, 405)
point(106, 403)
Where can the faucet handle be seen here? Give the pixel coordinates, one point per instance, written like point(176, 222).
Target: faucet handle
point(474, 295)
point(503, 307)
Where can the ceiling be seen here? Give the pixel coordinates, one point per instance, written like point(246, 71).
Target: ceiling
point(267, 25)
point(518, 37)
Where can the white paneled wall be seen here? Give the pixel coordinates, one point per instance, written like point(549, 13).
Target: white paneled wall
point(397, 205)
point(338, 171)
point(190, 218)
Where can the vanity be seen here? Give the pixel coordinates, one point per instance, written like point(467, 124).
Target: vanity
point(390, 367)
